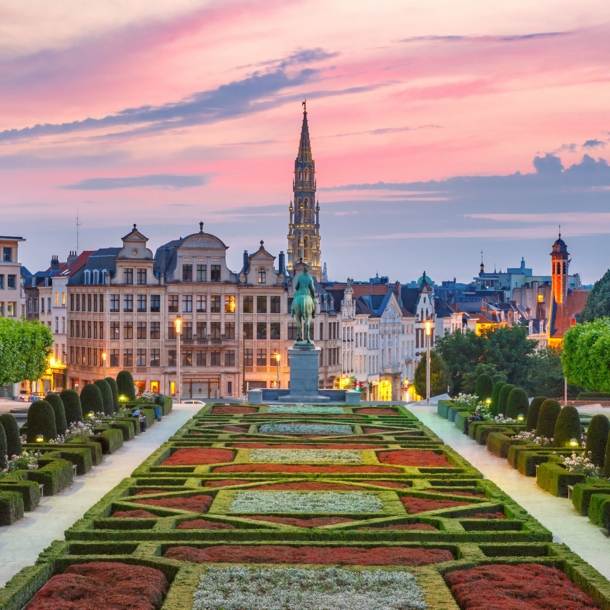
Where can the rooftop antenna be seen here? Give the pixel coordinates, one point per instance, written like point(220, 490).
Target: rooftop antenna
point(78, 224)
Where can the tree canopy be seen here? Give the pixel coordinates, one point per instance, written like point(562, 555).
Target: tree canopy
point(438, 376)
point(598, 301)
point(24, 349)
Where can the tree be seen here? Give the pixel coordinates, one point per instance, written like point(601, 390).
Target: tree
point(91, 399)
point(547, 418)
point(11, 429)
point(533, 412)
point(438, 376)
point(106, 392)
point(59, 411)
point(484, 387)
point(495, 396)
point(598, 301)
point(507, 388)
point(72, 406)
point(115, 393)
point(567, 427)
point(517, 403)
point(597, 438)
point(124, 381)
point(546, 373)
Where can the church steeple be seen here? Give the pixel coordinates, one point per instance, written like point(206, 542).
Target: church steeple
point(304, 225)
point(559, 265)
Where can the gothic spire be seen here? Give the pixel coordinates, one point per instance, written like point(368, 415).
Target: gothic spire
point(304, 143)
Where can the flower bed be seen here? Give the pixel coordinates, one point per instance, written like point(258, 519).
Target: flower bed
point(305, 410)
point(234, 429)
point(307, 486)
point(233, 410)
point(291, 468)
point(413, 457)
point(301, 446)
point(402, 526)
point(355, 556)
point(294, 502)
point(393, 484)
point(516, 587)
point(313, 522)
point(194, 457)
point(378, 431)
point(422, 505)
point(486, 516)
point(204, 524)
point(148, 492)
point(91, 586)
point(274, 428)
point(235, 588)
point(196, 504)
point(133, 514)
point(374, 411)
point(226, 482)
point(457, 493)
point(287, 456)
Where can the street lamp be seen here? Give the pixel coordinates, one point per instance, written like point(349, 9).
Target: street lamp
point(278, 358)
point(178, 329)
point(104, 361)
point(428, 328)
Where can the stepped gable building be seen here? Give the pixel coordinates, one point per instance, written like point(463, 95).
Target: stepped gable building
point(304, 225)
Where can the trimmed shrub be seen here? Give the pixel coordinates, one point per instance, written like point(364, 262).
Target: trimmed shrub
point(125, 385)
point(593, 396)
point(484, 387)
point(11, 429)
point(507, 388)
point(11, 507)
point(547, 418)
point(3, 449)
point(91, 399)
point(597, 437)
point(607, 460)
point(41, 420)
point(59, 411)
point(106, 392)
point(115, 393)
point(72, 406)
point(495, 396)
point(567, 427)
point(533, 412)
point(517, 403)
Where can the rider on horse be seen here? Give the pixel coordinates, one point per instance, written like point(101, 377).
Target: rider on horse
point(304, 304)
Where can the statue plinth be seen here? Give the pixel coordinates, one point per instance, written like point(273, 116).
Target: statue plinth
point(304, 364)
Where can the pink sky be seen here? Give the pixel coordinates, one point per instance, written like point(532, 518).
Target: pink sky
point(190, 110)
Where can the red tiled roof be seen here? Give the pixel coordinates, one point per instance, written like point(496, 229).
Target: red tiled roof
point(562, 315)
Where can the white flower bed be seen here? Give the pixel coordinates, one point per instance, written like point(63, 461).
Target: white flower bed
point(274, 428)
point(259, 502)
point(236, 588)
point(305, 410)
point(287, 456)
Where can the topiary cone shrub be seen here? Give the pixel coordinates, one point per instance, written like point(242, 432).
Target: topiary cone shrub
point(507, 388)
point(91, 399)
point(532, 413)
point(495, 396)
point(125, 385)
point(11, 429)
point(567, 427)
point(597, 438)
point(106, 393)
point(41, 421)
point(484, 387)
point(607, 460)
point(59, 411)
point(517, 403)
point(72, 406)
point(115, 393)
point(547, 418)
point(3, 449)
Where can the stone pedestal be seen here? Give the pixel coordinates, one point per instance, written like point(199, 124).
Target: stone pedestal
point(304, 362)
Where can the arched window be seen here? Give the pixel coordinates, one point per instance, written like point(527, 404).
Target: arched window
point(306, 248)
point(262, 276)
point(87, 276)
point(96, 276)
point(306, 174)
point(301, 175)
point(565, 268)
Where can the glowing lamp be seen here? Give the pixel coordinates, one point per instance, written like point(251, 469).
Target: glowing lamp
point(488, 401)
point(278, 357)
point(178, 324)
point(39, 438)
point(428, 327)
point(122, 398)
point(573, 443)
point(91, 414)
point(104, 356)
point(520, 417)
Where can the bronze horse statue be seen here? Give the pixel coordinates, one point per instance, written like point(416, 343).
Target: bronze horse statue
point(304, 305)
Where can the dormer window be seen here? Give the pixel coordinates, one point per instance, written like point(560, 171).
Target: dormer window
point(262, 276)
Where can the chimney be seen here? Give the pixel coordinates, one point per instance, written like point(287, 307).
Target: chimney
point(282, 263)
point(71, 257)
point(397, 291)
point(246, 260)
point(54, 262)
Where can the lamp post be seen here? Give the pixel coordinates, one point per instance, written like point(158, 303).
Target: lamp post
point(178, 329)
point(104, 362)
point(278, 358)
point(428, 328)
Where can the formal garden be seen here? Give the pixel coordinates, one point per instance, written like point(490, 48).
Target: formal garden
point(306, 507)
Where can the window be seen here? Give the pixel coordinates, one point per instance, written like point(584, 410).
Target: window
point(155, 357)
point(172, 303)
point(261, 356)
point(140, 357)
point(89, 330)
point(230, 303)
point(171, 331)
point(63, 301)
point(114, 302)
point(248, 304)
point(71, 355)
point(202, 303)
point(187, 357)
point(155, 303)
point(187, 303)
point(215, 273)
point(261, 330)
point(261, 304)
point(94, 301)
point(215, 303)
point(141, 303)
point(6, 255)
point(262, 276)
point(187, 330)
point(128, 356)
point(41, 305)
point(200, 358)
point(202, 331)
point(94, 327)
point(78, 302)
point(1, 282)
point(187, 273)
point(248, 330)
point(248, 357)
point(88, 304)
point(540, 298)
point(230, 330)
point(292, 331)
point(114, 357)
point(215, 358)
point(128, 276)
point(230, 357)
point(141, 277)
point(83, 329)
point(155, 330)
point(11, 282)
point(274, 330)
point(115, 331)
point(215, 330)
point(321, 336)
point(128, 303)
point(171, 357)
point(72, 328)
point(275, 305)
point(141, 331)
point(202, 273)
point(128, 330)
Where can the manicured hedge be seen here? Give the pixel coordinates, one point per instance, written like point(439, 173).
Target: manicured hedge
point(72, 406)
point(110, 439)
point(11, 507)
point(107, 399)
point(59, 411)
point(517, 404)
point(533, 412)
point(18, 482)
point(503, 399)
point(3, 449)
point(567, 428)
point(125, 385)
point(495, 396)
point(41, 421)
point(554, 478)
point(484, 387)
point(54, 474)
point(11, 430)
point(91, 399)
point(547, 418)
point(115, 393)
point(597, 438)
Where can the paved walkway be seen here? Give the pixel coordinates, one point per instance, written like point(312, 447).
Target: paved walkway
point(21, 543)
point(556, 514)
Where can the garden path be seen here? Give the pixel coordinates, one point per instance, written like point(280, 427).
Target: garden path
point(22, 542)
point(556, 514)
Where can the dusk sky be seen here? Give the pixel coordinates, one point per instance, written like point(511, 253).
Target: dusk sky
point(439, 128)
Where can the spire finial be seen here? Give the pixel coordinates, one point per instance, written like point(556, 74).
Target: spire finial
point(559, 231)
point(134, 226)
point(304, 102)
point(201, 227)
point(262, 243)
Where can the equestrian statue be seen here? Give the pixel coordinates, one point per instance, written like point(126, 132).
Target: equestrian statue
point(304, 306)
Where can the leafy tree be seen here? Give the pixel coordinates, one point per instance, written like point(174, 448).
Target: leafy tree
point(546, 373)
point(597, 438)
point(533, 412)
point(547, 418)
point(503, 400)
point(495, 396)
point(598, 301)
point(438, 376)
point(484, 387)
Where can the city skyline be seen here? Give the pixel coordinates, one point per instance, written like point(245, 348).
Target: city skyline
point(437, 132)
